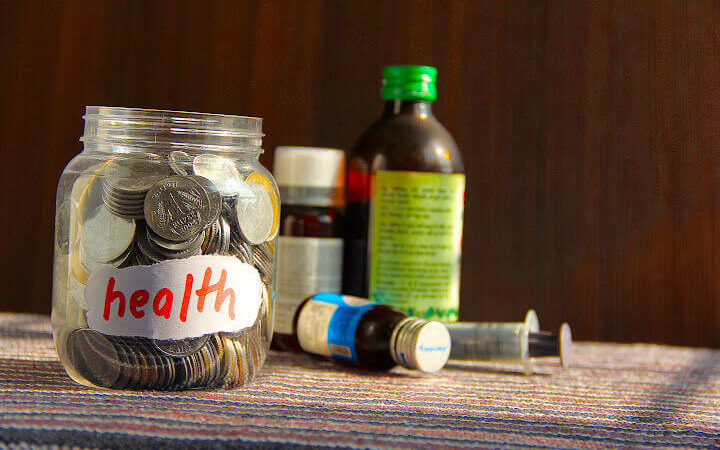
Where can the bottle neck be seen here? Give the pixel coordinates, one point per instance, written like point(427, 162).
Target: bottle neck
point(419, 108)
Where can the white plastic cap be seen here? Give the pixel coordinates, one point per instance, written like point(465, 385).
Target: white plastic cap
point(420, 345)
point(565, 345)
point(309, 167)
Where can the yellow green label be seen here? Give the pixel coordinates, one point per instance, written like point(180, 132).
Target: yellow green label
point(415, 240)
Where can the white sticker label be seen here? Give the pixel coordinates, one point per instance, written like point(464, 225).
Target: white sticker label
point(306, 266)
point(313, 325)
point(174, 299)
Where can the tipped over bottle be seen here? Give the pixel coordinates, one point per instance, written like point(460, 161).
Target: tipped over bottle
point(369, 334)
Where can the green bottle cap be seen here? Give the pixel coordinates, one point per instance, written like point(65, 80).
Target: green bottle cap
point(409, 83)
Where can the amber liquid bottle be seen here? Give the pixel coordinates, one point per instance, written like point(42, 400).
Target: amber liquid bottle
point(310, 248)
point(405, 194)
point(369, 334)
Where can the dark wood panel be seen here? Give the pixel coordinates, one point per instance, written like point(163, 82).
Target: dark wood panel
point(589, 131)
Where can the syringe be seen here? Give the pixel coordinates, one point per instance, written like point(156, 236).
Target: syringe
point(518, 342)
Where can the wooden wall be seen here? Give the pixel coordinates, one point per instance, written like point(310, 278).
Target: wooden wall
point(590, 131)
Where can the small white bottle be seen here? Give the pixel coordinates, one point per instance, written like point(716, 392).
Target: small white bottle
point(310, 249)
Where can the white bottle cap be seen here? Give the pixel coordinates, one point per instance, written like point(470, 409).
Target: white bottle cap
point(420, 345)
point(313, 167)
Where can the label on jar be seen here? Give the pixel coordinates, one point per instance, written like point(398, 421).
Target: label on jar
point(328, 322)
point(306, 266)
point(174, 299)
point(415, 242)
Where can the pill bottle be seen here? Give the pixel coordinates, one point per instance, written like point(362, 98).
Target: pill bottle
point(165, 236)
point(405, 194)
point(310, 249)
point(369, 334)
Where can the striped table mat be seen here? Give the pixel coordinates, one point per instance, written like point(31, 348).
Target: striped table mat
point(614, 396)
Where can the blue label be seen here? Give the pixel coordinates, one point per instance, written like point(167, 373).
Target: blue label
point(344, 323)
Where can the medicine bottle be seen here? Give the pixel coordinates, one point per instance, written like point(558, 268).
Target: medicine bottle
point(405, 198)
point(372, 335)
point(312, 188)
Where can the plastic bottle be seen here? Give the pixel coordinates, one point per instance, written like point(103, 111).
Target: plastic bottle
point(405, 198)
point(312, 188)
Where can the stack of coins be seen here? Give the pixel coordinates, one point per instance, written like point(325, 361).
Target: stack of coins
point(135, 363)
point(217, 237)
point(153, 211)
point(126, 183)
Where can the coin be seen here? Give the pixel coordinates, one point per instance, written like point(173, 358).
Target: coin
point(221, 171)
point(215, 199)
point(123, 365)
point(94, 356)
point(128, 206)
point(187, 372)
point(180, 347)
point(232, 363)
point(224, 238)
point(264, 181)
point(217, 238)
point(143, 362)
point(167, 244)
point(178, 208)
point(153, 364)
point(215, 353)
point(242, 251)
point(78, 271)
point(105, 236)
point(132, 176)
point(132, 366)
point(180, 162)
point(89, 263)
point(263, 262)
point(203, 355)
point(254, 210)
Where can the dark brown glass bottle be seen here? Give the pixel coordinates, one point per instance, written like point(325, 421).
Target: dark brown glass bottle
point(310, 248)
point(405, 163)
point(369, 334)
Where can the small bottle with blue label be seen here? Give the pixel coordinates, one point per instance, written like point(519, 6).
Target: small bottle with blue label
point(372, 335)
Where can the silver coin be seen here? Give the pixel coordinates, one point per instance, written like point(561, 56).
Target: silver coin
point(155, 253)
point(263, 261)
point(181, 347)
point(215, 199)
point(180, 162)
point(167, 244)
point(242, 251)
point(124, 363)
point(168, 254)
point(147, 254)
point(153, 366)
point(135, 365)
point(94, 356)
point(90, 263)
point(212, 234)
point(254, 210)
point(221, 171)
point(132, 176)
point(105, 236)
point(127, 207)
point(143, 362)
point(225, 231)
point(178, 208)
point(217, 238)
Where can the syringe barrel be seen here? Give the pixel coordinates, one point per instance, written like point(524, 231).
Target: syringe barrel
point(487, 341)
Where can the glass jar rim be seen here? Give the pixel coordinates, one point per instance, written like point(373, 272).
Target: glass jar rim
point(153, 127)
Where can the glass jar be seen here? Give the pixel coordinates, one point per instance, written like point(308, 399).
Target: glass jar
point(165, 238)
